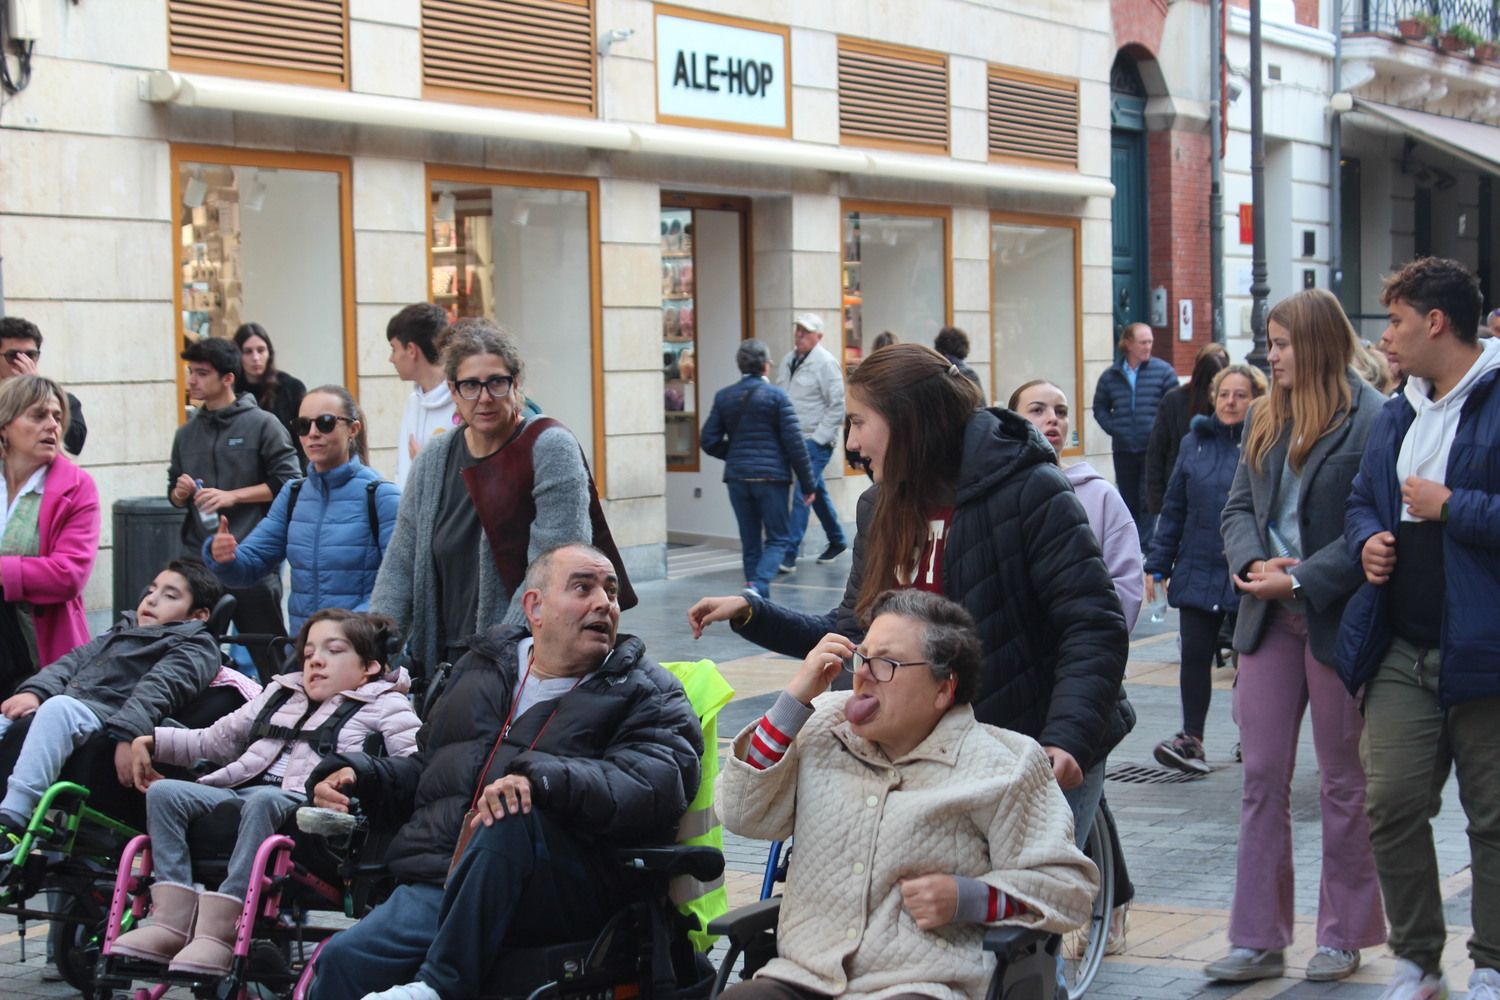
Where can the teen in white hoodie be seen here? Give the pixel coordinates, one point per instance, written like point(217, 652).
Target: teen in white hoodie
point(413, 334)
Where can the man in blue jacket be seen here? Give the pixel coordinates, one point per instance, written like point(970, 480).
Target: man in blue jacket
point(1125, 402)
point(1421, 636)
point(754, 430)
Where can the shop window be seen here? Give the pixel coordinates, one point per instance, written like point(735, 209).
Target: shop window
point(679, 339)
point(537, 54)
point(289, 41)
point(523, 256)
point(1035, 311)
point(1033, 117)
point(267, 241)
point(892, 97)
point(895, 277)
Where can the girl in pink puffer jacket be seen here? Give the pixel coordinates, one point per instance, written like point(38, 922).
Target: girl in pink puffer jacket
point(342, 697)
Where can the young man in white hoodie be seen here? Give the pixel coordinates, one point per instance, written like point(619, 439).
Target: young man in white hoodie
point(1421, 637)
point(413, 334)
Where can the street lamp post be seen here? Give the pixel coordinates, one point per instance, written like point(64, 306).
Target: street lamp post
point(1260, 289)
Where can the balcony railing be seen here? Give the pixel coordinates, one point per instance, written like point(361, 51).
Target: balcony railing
point(1383, 17)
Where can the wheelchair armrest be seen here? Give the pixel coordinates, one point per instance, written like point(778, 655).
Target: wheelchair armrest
point(1010, 940)
point(742, 924)
point(702, 863)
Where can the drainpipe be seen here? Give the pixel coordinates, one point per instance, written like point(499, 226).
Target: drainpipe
point(1216, 169)
point(1260, 288)
point(1336, 174)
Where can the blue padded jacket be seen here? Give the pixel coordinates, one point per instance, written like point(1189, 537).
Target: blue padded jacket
point(754, 429)
point(1188, 547)
point(329, 544)
point(1127, 416)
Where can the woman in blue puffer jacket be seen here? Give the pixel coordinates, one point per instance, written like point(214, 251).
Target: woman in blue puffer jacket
point(1188, 549)
point(332, 526)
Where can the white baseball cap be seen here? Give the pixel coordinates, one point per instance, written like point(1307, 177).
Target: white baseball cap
point(811, 322)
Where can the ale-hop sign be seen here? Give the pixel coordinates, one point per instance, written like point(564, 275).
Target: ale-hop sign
point(721, 72)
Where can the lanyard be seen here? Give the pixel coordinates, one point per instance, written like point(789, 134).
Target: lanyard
point(505, 728)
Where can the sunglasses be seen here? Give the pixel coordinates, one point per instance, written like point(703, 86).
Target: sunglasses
point(324, 423)
point(10, 356)
point(498, 386)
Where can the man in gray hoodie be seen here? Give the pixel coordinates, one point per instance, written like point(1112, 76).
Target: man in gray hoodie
point(228, 463)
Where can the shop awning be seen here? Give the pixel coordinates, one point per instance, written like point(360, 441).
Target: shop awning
point(1473, 142)
point(318, 104)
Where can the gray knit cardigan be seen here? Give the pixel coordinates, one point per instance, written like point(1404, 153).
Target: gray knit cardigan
point(406, 588)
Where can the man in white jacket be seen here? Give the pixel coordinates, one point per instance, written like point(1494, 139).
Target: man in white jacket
point(812, 377)
point(413, 334)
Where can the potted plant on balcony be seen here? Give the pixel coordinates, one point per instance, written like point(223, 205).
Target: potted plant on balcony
point(1415, 28)
point(1452, 40)
point(1487, 51)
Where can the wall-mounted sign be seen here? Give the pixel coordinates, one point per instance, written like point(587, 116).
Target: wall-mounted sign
point(722, 72)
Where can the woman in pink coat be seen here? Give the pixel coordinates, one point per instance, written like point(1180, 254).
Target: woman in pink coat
point(49, 531)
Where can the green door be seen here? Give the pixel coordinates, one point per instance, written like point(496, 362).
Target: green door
point(1127, 170)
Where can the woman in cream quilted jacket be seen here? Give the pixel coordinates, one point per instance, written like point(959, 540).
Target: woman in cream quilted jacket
point(916, 826)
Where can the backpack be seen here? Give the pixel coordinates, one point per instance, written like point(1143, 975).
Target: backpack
point(295, 486)
point(324, 739)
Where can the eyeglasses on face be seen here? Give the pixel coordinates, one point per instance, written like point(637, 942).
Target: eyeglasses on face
point(10, 356)
point(325, 423)
point(498, 386)
point(882, 668)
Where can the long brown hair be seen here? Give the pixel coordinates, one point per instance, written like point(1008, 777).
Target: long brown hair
point(925, 401)
point(1318, 401)
point(1210, 360)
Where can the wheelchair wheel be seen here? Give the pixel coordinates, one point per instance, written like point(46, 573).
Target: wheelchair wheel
point(77, 933)
point(1084, 949)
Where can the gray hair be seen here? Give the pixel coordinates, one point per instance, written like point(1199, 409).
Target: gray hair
point(19, 394)
point(950, 641)
point(539, 572)
point(477, 335)
point(752, 357)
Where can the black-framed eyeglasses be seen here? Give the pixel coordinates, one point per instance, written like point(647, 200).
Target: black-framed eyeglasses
point(498, 386)
point(32, 353)
point(324, 422)
point(882, 668)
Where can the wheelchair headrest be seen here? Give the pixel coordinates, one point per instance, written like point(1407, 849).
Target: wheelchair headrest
point(218, 618)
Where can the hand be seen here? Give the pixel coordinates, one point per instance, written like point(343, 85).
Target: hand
point(223, 546)
point(932, 900)
point(808, 498)
point(1064, 768)
point(183, 490)
point(22, 365)
point(715, 609)
point(210, 500)
point(1269, 583)
point(820, 667)
point(142, 774)
point(509, 796)
point(1378, 558)
point(1424, 498)
point(18, 706)
point(1150, 586)
point(411, 446)
point(328, 793)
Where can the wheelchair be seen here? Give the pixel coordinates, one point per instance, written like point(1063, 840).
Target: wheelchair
point(73, 840)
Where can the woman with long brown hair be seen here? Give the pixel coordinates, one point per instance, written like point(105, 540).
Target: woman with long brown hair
point(969, 503)
point(1283, 538)
point(1179, 406)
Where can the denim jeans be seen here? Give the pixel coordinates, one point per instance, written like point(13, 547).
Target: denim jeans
point(822, 504)
point(171, 807)
point(61, 725)
point(761, 506)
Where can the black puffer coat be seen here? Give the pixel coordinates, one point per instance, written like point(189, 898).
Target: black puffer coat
point(1021, 558)
point(619, 761)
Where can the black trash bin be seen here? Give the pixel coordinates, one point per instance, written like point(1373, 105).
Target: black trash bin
point(148, 535)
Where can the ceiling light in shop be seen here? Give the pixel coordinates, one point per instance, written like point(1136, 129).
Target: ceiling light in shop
point(194, 191)
point(520, 214)
point(443, 210)
point(254, 195)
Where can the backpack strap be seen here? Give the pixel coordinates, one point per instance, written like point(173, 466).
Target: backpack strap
point(261, 727)
point(374, 514)
point(291, 501)
point(324, 739)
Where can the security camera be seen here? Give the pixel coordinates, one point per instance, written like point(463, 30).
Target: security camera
point(608, 39)
point(1235, 88)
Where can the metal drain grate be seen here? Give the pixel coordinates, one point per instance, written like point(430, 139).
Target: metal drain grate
point(1139, 774)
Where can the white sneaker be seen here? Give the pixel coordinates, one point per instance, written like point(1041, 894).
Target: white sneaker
point(1484, 984)
point(411, 991)
point(1408, 983)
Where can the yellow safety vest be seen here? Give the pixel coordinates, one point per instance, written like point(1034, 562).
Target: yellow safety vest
point(708, 692)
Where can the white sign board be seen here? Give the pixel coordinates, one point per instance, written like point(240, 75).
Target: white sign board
point(708, 72)
point(1184, 319)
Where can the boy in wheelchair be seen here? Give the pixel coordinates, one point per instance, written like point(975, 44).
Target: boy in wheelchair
point(123, 683)
point(916, 826)
point(341, 700)
point(550, 745)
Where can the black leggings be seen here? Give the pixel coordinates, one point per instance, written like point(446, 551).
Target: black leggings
point(1200, 640)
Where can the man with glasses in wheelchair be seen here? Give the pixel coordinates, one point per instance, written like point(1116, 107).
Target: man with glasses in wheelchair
point(551, 744)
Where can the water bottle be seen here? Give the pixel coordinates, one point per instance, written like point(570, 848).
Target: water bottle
point(1157, 610)
point(209, 521)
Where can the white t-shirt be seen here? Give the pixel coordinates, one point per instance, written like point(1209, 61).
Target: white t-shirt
point(536, 690)
point(428, 414)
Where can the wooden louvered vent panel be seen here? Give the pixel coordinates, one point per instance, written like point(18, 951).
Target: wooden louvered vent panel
point(893, 97)
point(301, 41)
point(527, 52)
point(1033, 117)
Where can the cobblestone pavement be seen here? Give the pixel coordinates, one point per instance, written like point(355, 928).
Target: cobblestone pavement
point(1179, 838)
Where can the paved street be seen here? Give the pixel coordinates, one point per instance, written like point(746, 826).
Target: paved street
point(1180, 838)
